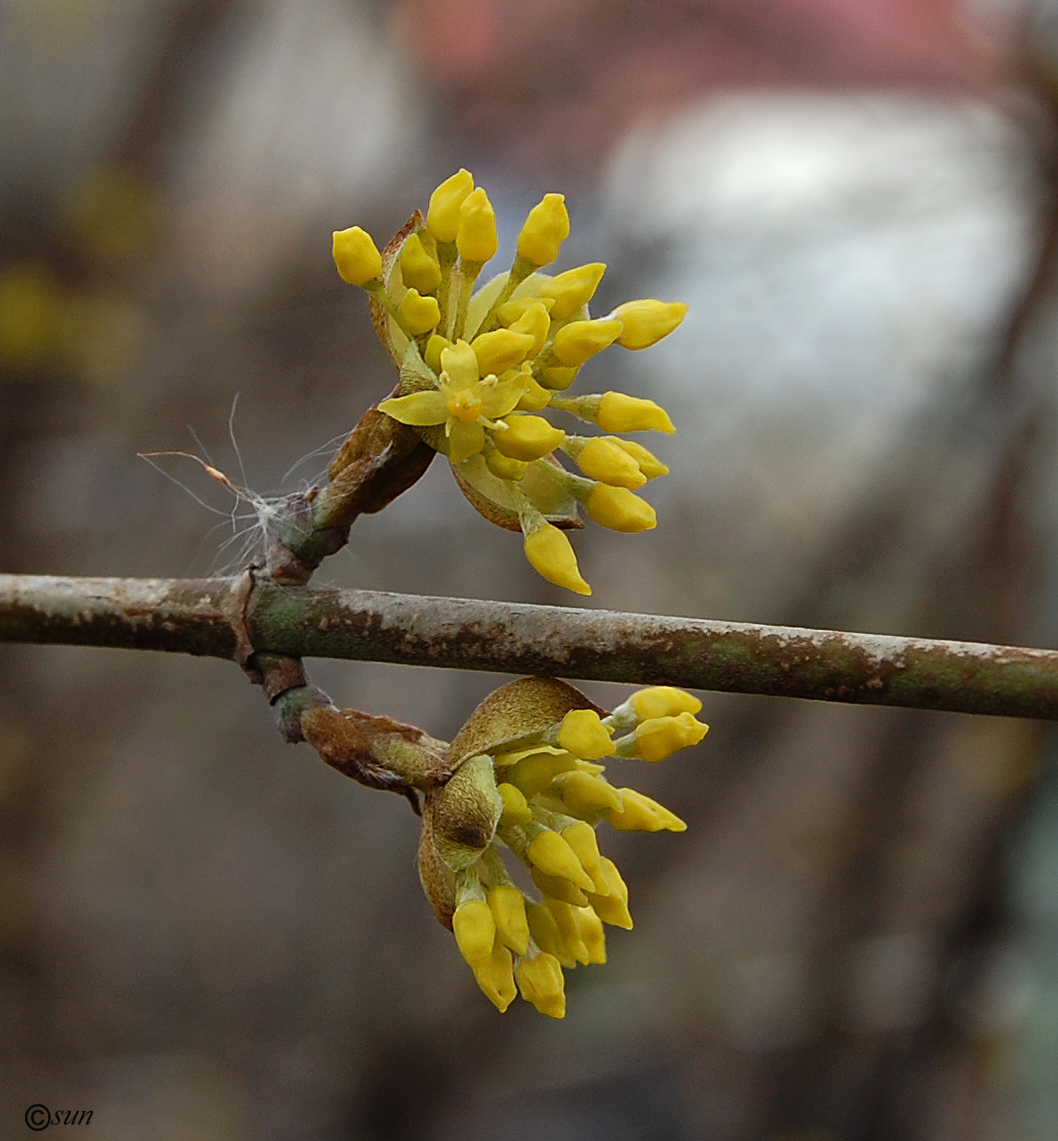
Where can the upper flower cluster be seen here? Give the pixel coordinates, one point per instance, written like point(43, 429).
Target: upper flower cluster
point(527, 776)
point(477, 368)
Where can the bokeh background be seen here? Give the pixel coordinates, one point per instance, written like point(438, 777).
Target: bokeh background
point(206, 934)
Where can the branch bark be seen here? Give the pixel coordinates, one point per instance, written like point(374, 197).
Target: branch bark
point(199, 616)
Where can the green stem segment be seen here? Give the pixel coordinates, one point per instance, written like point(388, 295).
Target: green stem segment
point(195, 616)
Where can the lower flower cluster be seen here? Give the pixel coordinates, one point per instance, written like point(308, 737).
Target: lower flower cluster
point(528, 777)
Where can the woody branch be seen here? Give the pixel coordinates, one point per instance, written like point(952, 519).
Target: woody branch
point(202, 616)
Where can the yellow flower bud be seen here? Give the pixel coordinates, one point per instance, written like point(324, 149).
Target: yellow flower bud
point(356, 255)
point(516, 808)
point(581, 838)
point(535, 398)
point(536, 323)
point(568, 927)
point(508, 912)
point(546, 935)
point(442, 218)
point(434, 347)
point(557, 378)
point(555, 887)
point(592, 935)
point(670, 821)
point(528, 438)
point(544, 231)
point(541, 983)
point(646, 321)
point(496, 978)
point(576, 342)
point(503, 467)
point(418, 269)
point(419, 314)
point(476, 236)
point(554, 857)
point(604, 459)
point(585, 792)
point(583, 734)
point(662, 701)
point(572, 289)
point(620, 510)
point(618, 887)
point(500, 350)
point(612, 908)
point(620, 413)
point(475, 931)
point(660, 737)
point(510, 311)
point(649, 464)
point(551, 556)
point(635, 816)
point(533, 773)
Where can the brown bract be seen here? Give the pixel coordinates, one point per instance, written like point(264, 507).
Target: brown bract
point(516, 712)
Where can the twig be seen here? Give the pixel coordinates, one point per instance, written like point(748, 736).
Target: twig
point(193, 616)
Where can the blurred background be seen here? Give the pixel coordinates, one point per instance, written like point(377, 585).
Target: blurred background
point(205, 933)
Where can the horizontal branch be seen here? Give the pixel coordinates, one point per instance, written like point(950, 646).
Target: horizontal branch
point(199, 616)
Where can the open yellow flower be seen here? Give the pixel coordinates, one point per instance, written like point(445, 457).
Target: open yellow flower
point(465, 403)
point(479, 366)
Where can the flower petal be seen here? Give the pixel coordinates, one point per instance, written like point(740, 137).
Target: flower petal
point(420, 408)
point(502, 398)
point(465, 440)
point(461, 365)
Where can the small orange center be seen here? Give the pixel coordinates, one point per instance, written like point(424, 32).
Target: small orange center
point(464, 405)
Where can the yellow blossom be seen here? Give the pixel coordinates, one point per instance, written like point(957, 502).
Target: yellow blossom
point(603, 458)
point(356, 255)
point(573, 289)
point(465, 404)
point(545, 229)
point(576, 342)
point(540, 982)
point(500, 350)
point(583, 734)
point(508, 912)
point(420, 314)
point(529, 333)
point(419, 270)
point(660, 737)
point(495, 977)
point(550, 553)
point(530, 762)
point(475, 931)
point(554, 857)
point(620, 510)
point(647, 321)
point(476, 236)
point(662, 701)
point(442, 219)
point(515, 807)
point(528, 438)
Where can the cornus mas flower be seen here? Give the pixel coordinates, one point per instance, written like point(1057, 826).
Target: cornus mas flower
point(478, 366)
point(527, 777)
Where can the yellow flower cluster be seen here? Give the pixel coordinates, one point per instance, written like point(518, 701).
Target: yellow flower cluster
point(478, 366)
point(541, 794)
